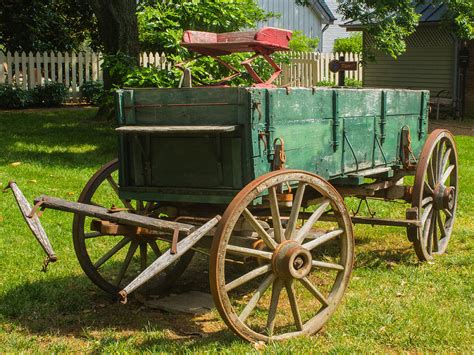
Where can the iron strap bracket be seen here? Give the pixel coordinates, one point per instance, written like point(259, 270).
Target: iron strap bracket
point(335, 120)
point(383, 117)
point(423, 112)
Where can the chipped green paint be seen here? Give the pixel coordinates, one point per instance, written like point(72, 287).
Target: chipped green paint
point(331, 132)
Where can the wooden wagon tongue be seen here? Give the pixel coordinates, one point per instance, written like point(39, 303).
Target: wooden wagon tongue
point(32, 214)
point(262, 42)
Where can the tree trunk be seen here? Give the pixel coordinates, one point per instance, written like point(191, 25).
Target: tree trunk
point(118, 29)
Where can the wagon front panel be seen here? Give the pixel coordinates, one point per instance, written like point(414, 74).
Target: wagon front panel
point(188, 144)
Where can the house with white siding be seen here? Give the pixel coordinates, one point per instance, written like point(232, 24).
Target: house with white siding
point(335, 30)
point(312, 20)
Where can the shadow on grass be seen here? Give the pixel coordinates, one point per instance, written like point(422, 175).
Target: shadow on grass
point(66, 138)
point(74, 307)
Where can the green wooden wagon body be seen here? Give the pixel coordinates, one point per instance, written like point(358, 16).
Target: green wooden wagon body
point(205, 144)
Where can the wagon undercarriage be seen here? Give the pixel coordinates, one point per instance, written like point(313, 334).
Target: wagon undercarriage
point(256, 178)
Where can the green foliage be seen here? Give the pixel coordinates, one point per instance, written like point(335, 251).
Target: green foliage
point(48, 95)
point(153, 77)
point(161, 23)
point(352, 83)
point(93, 92)
point(13, 97)
point(46, 25)
point(391, 22)
point(301, 43)
point(351, 44)
point(118, 66)
point(326, 83)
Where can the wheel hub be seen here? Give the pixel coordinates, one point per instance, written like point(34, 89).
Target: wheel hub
point(290, 260)
point(444, 197)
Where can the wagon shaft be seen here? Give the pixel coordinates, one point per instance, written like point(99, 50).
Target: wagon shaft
point(33, 222)
point(168, 258)
point(109, 215)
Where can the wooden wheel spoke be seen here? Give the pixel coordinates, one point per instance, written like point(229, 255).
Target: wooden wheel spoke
point(276, 218)
point(441, 225)
point(446, 174)
point(256, 297)
point(257, 227)
point(290, 290)
point(114, 185)
point(427, 189)
point(428, 233)
point(435, 231)
point(434, 162)
point(325, 265)
point(444, 163)
point(323, 239)
point(248, 277)
point(128, 258)
point(272, 311)
point(143, 256)
point(112, 252)
point(295, 211)
point(249, 252)
point(426, 200)
point(447, 213)
point(431, 176)
point(314, 291)
point(311, 221)
point(425, 214)
point(155, 248)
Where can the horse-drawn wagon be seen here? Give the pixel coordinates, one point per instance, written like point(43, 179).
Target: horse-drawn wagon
point(258, 176)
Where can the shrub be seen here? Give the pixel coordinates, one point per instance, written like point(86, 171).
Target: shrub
point(13, 97)
point(326, 83)
point(153, 77)
point(93, 92)
point(49, 95)
point(302, 43)
point(353, 83)
point(352, 44)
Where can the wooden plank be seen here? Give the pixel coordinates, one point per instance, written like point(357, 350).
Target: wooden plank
point(176, 129)
point(38, 72)
point(16, 59)
point(60, 68)
point(9, 68)
point(53, 60)
point(31, 71)
point(2, 68)
point(81, 68)
point(24, 70)
point(74, 75)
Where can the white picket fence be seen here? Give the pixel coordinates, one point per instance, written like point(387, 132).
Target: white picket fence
point(28, 70)
point(308, 69)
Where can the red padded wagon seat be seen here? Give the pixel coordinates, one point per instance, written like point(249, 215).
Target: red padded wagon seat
point(264, 41)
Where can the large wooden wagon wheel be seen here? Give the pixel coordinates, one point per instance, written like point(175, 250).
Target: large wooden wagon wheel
point(435, 194)
point(113, 260)
point(312, 266)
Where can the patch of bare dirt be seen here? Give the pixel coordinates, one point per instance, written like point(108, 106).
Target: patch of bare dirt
point(457, 127)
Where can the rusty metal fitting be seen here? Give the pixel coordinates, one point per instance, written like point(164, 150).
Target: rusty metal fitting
point(123, 297)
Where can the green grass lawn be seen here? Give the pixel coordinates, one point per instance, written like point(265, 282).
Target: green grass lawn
point(393, 302)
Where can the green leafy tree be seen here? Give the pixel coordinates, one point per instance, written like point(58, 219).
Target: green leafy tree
point(351, 44)
point(390, 22)
point(45, 25)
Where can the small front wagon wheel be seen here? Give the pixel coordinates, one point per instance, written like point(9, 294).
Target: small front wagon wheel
point(112, 260)
point(277, 271)
point(435, 195)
